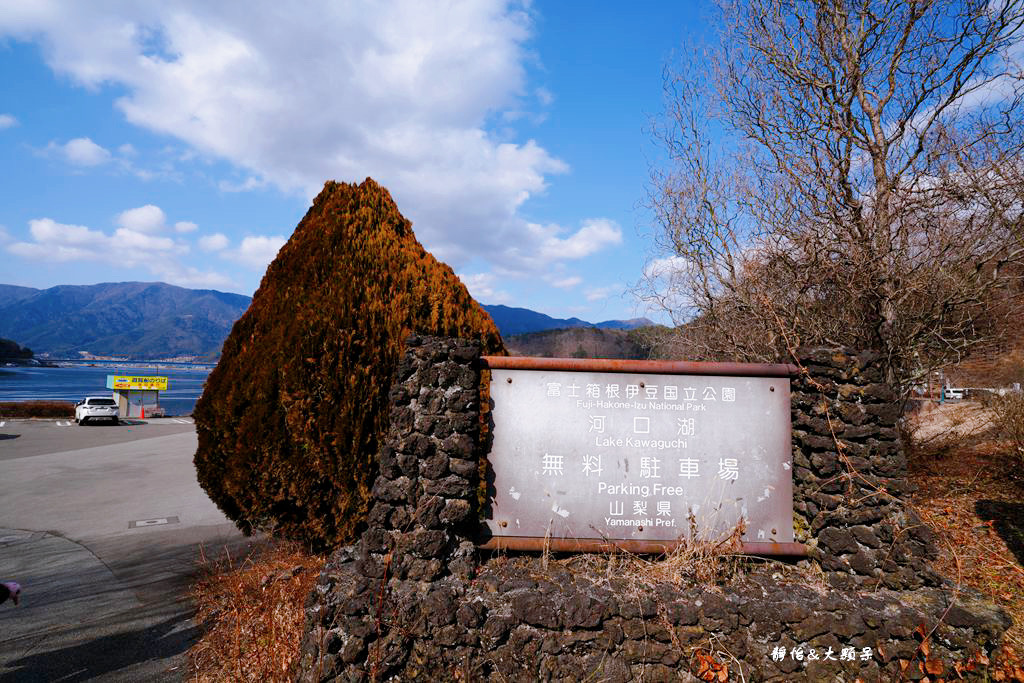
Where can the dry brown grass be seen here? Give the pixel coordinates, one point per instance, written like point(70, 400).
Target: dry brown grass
point(37, 409)
point(967, 495)
point(710, 560)
point(1008, 417)
point(252, 613)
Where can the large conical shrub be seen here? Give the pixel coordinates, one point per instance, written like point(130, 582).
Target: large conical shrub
point(290, 419)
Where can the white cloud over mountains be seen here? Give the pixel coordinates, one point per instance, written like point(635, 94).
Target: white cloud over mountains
point(148, 219)
point(144, 240)
point(595, 235)
point(485, 286)
point(257, 252)
point(53, 241)
point(401, 91)
point(214, 242)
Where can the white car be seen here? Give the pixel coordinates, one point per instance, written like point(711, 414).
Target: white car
point(96, 408)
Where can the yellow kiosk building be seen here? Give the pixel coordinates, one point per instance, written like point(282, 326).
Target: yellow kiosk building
point(137, 396)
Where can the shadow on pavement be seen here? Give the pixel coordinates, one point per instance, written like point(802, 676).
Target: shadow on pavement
point(1007, 520)
point(127, 617)
point(106, 654)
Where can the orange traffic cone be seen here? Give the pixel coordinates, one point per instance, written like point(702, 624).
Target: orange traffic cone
point(142, 414)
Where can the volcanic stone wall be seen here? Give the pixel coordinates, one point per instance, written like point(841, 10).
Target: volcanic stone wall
point(424, 517)
point(414, 600)
point(849, 474)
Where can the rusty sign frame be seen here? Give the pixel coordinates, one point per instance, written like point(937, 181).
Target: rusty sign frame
point(610, 365)
point(657, 367)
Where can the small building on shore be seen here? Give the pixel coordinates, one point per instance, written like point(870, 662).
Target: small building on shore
point(137, 396)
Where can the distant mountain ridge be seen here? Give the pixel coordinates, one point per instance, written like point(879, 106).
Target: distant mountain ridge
point(513, 321)
point(154, 320)
point(581, 342)
point(148, 320)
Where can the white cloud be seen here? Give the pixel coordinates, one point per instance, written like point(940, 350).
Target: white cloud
point(134, 240)
point(7, 121)
point(53, 242)
point(257, 251)
point(80, 152)
point(566, 282)
point(483, 287)
point(49, 231)
point(594, 235)
point(602, 293)
point(214, 242)
point(249, 184)
point(84, 152)
point(185, 226)
point(187, 276)
point(405, 97)
point(670, 276)
point(665, 267)
point(148, 218)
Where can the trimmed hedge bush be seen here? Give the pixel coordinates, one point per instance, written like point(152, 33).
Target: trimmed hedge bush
point(37, 409)
point(290, 418)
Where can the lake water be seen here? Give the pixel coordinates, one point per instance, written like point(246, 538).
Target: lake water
point(73, 383)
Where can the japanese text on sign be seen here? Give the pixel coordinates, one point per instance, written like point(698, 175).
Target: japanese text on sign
point(629, 456)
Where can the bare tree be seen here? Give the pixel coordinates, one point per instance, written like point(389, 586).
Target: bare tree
point(845, 172)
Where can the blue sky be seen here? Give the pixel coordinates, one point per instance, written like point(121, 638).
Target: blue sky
point(183, 141)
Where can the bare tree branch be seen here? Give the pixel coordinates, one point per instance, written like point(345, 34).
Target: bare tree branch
point(850, 167)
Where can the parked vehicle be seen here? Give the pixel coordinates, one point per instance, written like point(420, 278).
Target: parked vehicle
point(96, 408)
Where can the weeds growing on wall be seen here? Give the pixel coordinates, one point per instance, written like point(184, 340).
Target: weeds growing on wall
point(290, 419)
point(705, 558)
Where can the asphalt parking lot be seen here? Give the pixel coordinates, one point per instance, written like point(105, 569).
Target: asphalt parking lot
point(104, 527)
point(23, 438)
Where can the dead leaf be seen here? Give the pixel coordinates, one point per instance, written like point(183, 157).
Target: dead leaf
point(933, 665)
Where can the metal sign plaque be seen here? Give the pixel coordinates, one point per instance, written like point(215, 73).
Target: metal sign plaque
point(621, 456)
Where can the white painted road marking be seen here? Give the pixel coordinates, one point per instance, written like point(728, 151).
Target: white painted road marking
point(138, 523)
point(2, 423)
point(63, 424)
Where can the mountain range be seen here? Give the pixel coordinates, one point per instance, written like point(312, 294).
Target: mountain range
point(154, 320)
point(514, 321)
point(125, 319)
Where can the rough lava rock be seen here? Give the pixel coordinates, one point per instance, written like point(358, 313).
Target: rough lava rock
point(414, 599)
